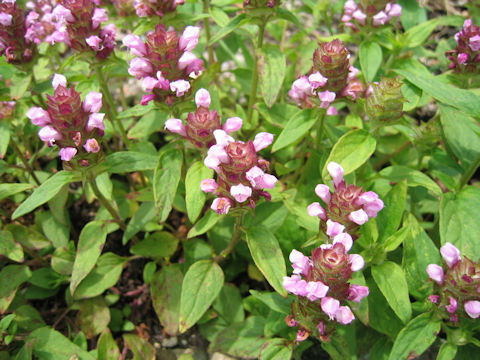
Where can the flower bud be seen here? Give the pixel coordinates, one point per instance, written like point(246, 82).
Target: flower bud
point(450, 254)
point(331, 59)
point(435, 272)
point(472, 308)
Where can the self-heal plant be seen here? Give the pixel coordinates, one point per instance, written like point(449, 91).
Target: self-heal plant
point(349, 206)
point(146, 8)
point(75, 126)
point(373, 13)
point(321, 283)
point(202, 123)
point(241, 174)
point(456, 289)
point(165, 63)
point(466, 56)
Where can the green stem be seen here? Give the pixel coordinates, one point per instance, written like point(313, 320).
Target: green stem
point(40, 97)
point(253, 92)
point(111, 110)
point(236, 237)
point(24, 161)
point(114, 212)
point(467, 175)
point(206, 23)
point(320, 125)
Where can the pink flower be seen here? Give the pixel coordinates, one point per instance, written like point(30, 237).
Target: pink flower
point(359, 217)
point(295, 285)
point(94, 42)
point(62, 14)
point(336, 172)
point(202, 98)
point(450, 254)
point(357, 292)
point(38, 116)
point(135, 44)
point(332, 111)
point(140, 67)
point(345, 239)
point(49, 135)
point(59, 80)
point(330, 306)
point(262, 140)
point(356, 262)
point(99, 16)
point(321, 328)
point(222, 205)
point(344, 315)
point(434, 298)
point(334, 228)
point(67, 153)
point(208, 185)
point(232, 124)
point(462, 58)
point(91, 146)
point(149, 83)
point(472, 308)
point(360, 16)
point(302, 335)
point(300, 262)
point(453, 305)
point(326, 97)
point(435, 272)
point(189, 39)
point(474, 43)
point(147, 98)
point(323, 192)
point(92, 102)
point(315, 209)
point(317, 80)
point(241, 192)
point(380, 19)
point(186, 60)
point(176, 126)
point(316, 290)
point(373, 207)
point(259, 179)
point(5, 19)
point(95, 120)
point(350, 6)
point(393, 9)
point(180, 87)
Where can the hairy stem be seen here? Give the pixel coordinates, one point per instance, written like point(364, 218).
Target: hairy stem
point(253, 92)
point(114, 212)
point(236, 237)
point(206, 23)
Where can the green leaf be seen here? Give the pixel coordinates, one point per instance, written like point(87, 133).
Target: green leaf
point(228, 304)
point(7, 190)
point(462, 134)
point(165, 181)
point(130, 161)
point(144, 214)
point(19, 84)
point(295, 129)
point(464, 100)
point(107, 348)
point(459, 219)
point(276, 349)
point(243, 340)
point(158, 245)
point(10, 248)
point(271, 70)
point(394, 241)
point(49, 344)
point(268, 256)
point(418, 252)
point(102, 277)
point(147, 124)
point(389, 219)
point(140, 347)
point(201, 285)
point(235, 23)
point(45, 192)
point(137, 110)
point(90, 245)
point(204, 224)
point(274, 301)
point(93, 316)
point(11, 277)
point(166, 289)
point(351, 151)
point(418, 34)
point(371, 57)
point(25, 353)
point(413, 177)
point(4, 138)
point(416, 337)
point(57, 233)
point(195, 197)
point(447, 351)
point(392, 283)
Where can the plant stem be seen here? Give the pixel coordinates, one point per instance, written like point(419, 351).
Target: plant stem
point(24, 161)
point(236, 237)
point(111, 110)
point(206, 23)
point(467, 175)
point(106, 203)
point(253, 92)
point(320, 124)
point(388, 157)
